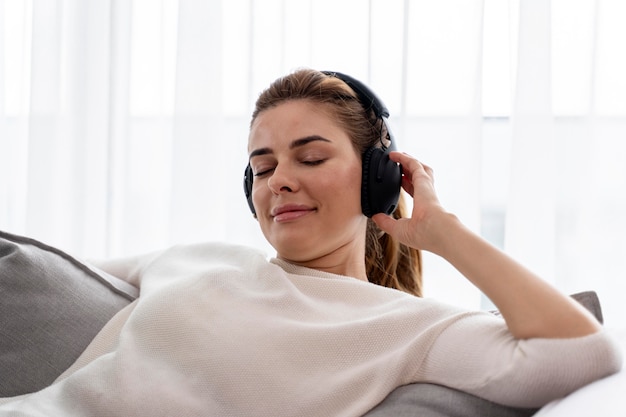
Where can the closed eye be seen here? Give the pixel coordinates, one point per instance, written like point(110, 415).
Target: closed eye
point(264, 172)
point(314, 163)
point(310, 163)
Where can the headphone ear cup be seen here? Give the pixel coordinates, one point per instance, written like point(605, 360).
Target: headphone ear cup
point(248, 177)
point(381, 182)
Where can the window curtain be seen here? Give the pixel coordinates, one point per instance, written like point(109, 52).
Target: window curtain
point(123, 124)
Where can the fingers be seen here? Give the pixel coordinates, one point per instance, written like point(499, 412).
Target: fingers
point(399, 229)
point(411, 169)
point(417, 180)
point(429, 171)
point(384, 222)
point(409, 163)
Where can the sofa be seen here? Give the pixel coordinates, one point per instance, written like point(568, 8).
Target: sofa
point(52, 305)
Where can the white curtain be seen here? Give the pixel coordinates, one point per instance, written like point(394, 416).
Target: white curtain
point(123, 124)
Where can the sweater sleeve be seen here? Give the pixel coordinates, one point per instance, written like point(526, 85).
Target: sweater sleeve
point(490, 363)
point(128, 269)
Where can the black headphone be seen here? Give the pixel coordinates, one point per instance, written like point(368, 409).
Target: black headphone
point(382, 178)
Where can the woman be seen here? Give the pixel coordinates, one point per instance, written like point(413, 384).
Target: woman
point(219, 330)
point(305, 106)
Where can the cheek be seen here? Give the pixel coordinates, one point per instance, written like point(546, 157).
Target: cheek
point(259, 196)
point(343, 187)
point(259, 203)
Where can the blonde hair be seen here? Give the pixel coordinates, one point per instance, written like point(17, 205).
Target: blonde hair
point(388, 262)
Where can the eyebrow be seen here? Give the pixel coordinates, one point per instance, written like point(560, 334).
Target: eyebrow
point(295, 144)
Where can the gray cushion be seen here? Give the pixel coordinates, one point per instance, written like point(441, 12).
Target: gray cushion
point(590, 300)
point(430, 400)
point(51, 307)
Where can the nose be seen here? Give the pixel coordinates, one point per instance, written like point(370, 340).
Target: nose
point(282, 180)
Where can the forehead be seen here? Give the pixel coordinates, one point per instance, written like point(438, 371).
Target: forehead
point(292, 120)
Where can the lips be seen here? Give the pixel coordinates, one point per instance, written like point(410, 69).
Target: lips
point(289, 212)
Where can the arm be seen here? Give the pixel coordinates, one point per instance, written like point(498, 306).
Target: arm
point(128, 269)
point(530, 306)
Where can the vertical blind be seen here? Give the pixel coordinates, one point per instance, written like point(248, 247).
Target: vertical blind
point(123, 124)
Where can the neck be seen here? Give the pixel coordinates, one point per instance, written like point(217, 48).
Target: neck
point(343, 261)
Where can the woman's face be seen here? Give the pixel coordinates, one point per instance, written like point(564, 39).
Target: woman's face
point(307, 185)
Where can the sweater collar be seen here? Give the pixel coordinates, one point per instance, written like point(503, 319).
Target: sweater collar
point(291, 268)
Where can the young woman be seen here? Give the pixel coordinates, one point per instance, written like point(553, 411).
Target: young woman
point(333, 323)
point(306, 140)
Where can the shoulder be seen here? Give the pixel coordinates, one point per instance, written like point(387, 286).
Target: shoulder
point(213, 250)
point(206, 255)
point(196, 261)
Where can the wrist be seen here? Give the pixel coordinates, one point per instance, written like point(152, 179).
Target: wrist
point(443, 229)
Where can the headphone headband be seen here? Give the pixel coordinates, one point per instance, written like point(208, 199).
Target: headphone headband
point(366, 96)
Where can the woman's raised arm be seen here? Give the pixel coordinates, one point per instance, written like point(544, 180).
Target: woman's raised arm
point(530, 306)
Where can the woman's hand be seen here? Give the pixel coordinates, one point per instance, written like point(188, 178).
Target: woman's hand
point(421, 230)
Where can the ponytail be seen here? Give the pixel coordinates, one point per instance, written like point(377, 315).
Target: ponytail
point(390, 263)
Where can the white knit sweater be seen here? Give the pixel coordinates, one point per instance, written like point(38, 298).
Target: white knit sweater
point(220, 331)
